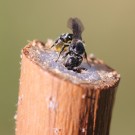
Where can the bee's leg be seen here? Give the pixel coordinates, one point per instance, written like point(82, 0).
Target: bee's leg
point(85, 56)
point(52, 46)
point(57, 41)
point(65, 55)
point(65, 45)
point(79, 69)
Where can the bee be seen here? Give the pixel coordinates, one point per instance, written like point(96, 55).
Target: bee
point(61, 40)
point(76, 51)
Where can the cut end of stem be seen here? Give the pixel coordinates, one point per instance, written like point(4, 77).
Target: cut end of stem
point(97, 74)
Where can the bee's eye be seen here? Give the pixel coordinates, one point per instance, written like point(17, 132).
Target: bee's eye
point(69, 37)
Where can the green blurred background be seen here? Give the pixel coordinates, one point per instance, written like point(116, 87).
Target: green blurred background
point(109, 34)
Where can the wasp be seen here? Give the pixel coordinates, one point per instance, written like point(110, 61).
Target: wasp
point(76, 51)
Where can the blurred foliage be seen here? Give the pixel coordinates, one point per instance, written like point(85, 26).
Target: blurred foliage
point(109, 34)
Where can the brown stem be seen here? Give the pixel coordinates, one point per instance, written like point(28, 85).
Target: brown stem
point(51, 104)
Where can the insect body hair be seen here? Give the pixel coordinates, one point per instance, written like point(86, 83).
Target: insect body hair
point(76, 26)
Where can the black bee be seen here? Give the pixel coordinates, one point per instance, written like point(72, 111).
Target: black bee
point(61, 40)
point(76, 51)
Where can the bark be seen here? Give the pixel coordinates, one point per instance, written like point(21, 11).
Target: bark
point(50, 103)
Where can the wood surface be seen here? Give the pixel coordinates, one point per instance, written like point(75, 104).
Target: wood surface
point(51, 105)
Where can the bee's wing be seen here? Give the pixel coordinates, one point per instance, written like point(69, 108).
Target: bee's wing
point(76, 26)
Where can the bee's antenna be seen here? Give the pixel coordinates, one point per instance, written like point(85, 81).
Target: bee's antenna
point(76, 26)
